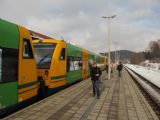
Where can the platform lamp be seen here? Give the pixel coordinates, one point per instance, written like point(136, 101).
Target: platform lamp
point(109, 39)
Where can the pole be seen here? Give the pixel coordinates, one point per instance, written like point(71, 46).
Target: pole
point(109, 37)
point(109, 66)
point(115, 55)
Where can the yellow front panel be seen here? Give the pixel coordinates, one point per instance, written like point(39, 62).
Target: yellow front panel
point(41, 72)
point(57, 71)
point(24, 94)
point(27, 69)
point(58, 67)
point(57, 83)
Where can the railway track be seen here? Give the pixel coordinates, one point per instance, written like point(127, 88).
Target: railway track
point(150, 91)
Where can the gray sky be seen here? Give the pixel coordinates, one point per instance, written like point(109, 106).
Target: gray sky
point(80, 22)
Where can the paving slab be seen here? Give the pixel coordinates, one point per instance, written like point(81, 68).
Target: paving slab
point(120, 99)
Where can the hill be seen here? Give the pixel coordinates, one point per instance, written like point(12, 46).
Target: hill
point(123, 55)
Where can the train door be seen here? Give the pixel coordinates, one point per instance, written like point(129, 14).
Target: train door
point(27, 79)
point(58, 66)
point(84, 64)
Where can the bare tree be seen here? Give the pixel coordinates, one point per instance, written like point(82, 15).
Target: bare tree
point(137, 58)
point(158, 41)
point(155, 49)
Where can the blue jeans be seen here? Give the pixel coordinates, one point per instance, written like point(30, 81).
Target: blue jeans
point(119, 73)
point(95, 84)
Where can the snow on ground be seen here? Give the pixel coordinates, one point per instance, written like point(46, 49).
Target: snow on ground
point(154, 66)
point(150, 65)
point(152, 75)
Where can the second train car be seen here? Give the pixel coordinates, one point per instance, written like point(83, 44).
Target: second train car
point(60, 63)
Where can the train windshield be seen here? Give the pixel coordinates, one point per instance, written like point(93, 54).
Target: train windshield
point(43, 54)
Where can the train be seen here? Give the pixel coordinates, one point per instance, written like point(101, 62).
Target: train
point(31, 67)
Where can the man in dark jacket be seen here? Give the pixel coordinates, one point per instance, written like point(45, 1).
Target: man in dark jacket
point(96, 73)
point(90, 69)
point(91, 75)
point(119, 68)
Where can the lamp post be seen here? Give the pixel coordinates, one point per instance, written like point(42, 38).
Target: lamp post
point(109, 38)
point(116, 43)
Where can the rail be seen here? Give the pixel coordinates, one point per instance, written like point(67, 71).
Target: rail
point(152, 89)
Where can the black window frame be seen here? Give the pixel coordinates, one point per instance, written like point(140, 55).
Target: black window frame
point(30, 49)
point(63, 54)
point(9, 69)
point(71, 59)
point(44, 67)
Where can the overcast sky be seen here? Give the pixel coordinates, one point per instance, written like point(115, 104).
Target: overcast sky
point(80, 22)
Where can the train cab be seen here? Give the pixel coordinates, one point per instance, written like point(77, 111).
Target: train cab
point(50, 57)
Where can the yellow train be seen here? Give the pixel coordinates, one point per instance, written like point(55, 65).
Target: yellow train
point(31, 67)
point(60, 63)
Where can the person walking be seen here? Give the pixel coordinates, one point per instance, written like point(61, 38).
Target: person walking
point(96, 72)
point(119, 68)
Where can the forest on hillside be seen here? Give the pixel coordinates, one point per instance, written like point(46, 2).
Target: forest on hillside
point(152, 53)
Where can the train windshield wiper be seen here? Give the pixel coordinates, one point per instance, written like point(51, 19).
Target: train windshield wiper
point(41, 60)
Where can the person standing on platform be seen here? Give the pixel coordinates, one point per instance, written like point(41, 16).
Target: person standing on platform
point(91, 75)
point(112, 68)
point(106, 68)
point(96, 72)
point(119, 68)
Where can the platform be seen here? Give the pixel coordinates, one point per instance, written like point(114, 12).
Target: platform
point(120, 100)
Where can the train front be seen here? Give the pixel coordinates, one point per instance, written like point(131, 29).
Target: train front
point(44, 50)
point(51, 63)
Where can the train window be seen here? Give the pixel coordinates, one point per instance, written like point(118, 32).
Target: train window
point(0, 64)
point(27, 49)
point(43, 54)
point(8, 64)
point(71, 65)
point(62, 55)
point(74, 63)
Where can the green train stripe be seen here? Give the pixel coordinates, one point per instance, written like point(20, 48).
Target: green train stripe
point(27, 85)
point(58, 80)
point(28, 90)
point(58, 77)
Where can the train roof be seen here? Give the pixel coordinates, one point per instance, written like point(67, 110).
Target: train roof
point(80, 48)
